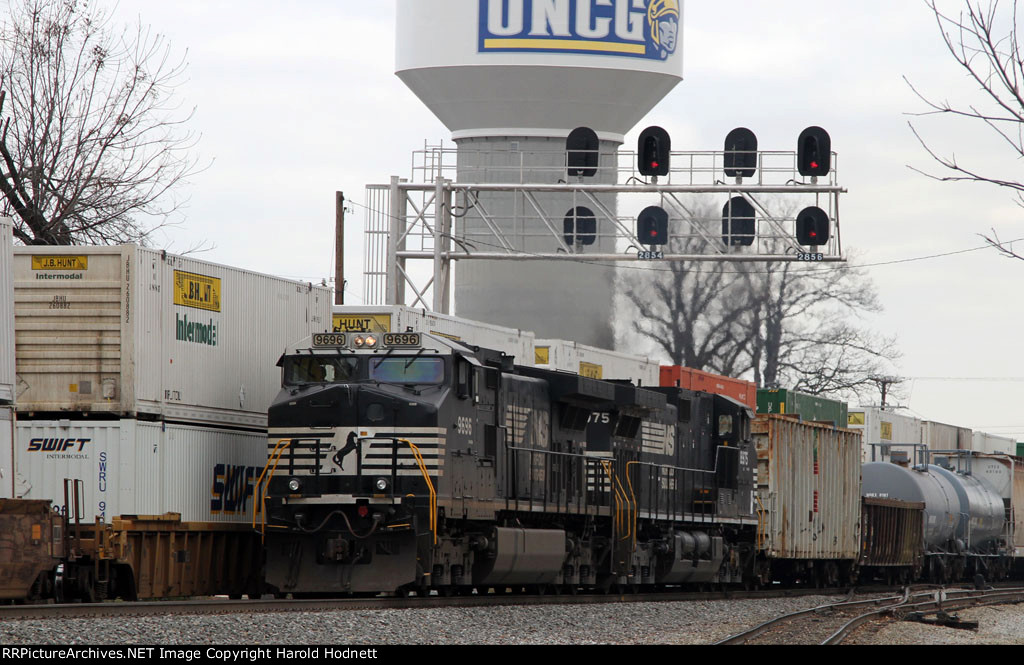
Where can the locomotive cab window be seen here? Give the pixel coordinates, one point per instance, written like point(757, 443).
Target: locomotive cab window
point(724, 425)
point(408, 370)
point(306, 370)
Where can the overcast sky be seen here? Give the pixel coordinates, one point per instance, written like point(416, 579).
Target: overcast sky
point(297, 100)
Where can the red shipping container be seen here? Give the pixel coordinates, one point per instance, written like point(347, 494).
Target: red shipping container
point(675, 376)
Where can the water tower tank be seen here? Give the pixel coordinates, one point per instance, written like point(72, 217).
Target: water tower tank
point(511, 79)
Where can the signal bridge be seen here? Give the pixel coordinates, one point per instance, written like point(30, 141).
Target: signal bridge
point(583, 205)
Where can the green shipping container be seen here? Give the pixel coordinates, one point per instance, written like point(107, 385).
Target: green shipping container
point(1020, 449)
point(808, 407)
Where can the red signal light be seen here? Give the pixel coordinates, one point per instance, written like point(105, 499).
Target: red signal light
point(363, 510)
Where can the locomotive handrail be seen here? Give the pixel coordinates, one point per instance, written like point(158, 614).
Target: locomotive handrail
point(259, 507)
point(430, 486)
point(617, 488)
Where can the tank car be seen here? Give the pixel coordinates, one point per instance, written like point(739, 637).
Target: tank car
point(409, 462)
point(964, 517)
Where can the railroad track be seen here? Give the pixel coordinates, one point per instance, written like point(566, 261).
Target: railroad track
point(834, 622)
point(226, 606)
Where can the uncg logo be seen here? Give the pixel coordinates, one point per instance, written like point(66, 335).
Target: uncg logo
point(630, 28)
point(232, 489)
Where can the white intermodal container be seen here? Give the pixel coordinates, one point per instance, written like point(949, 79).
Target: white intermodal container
point(7, 390)
point(6, 452)
point(135, 467)
point(940, 436)
point(134, 332)
point(596, 363)
point(400, 318)
point(884, 431)
point(983, 442)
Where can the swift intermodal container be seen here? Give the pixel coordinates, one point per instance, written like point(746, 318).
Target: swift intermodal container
point(135, 467)
point(129, 331)
point(6, 312)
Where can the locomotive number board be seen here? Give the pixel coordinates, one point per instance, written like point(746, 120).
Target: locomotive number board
point(402, 340)
point(328, 339)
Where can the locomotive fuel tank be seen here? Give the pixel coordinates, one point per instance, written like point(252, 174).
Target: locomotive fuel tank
point(962, 512)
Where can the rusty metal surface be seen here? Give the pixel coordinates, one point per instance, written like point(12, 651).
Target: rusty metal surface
point(808, 489)
point(892, 533)
point(27, 548)
point(171, 559)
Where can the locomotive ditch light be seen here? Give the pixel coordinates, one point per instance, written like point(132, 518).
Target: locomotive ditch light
point(381, 484)
point(294, 484)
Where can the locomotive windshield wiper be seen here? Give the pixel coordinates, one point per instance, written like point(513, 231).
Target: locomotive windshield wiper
point(413, 359)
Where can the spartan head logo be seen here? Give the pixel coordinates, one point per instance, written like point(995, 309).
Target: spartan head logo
point(663, 20)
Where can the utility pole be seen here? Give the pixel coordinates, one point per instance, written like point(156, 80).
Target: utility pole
point(339, 248)
point(883, 383)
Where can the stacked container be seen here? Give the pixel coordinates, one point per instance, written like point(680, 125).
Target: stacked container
point(882, 430)
point(982, 442)
point(6, 311)
point(940, 436)
point(675, 376)
point(596, 363)
point(399, 318)
point(7, 375)
point(173, 361)
point(808, 407)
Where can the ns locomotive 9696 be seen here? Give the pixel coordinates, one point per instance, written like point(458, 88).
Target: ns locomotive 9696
point(411, 462)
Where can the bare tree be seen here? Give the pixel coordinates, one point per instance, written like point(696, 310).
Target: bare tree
point(781, 323)
point(92, 139)
point(691, 311)
point(982, 38)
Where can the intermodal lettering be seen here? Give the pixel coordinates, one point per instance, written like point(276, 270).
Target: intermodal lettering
point(192, 331)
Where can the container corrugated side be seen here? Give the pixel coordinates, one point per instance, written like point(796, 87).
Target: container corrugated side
point(884, 427)
point(131, 331)
point(6, 452)
point(399, 318)
point(809, 488)
point(940, 436)
point(808, 407)
point(223, 331)
point(7, 375)
point(695, 379)
point(133, 467)
point(568, 356)
point(983, 442)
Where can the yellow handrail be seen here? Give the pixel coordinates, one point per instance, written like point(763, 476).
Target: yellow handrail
point(620, 494)
point(635, 506)
point(259, 505)
point(430, 486)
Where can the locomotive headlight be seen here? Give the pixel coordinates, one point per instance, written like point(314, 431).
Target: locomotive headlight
point(358, 342)
point(381, 484)
point(370, 341)
point(294, 485)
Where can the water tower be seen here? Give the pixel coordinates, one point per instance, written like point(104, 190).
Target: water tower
point(511, 79)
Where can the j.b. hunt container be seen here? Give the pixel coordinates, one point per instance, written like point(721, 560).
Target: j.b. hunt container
point(399, 318)
point(595, 363)
point(130, 331)
point(136, 467)
point(6, 311)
